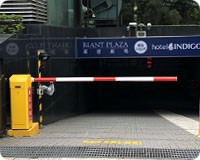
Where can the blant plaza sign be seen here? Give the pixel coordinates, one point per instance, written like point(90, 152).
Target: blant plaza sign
point(138, 47)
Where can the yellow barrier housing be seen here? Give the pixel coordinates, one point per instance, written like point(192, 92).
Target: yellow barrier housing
point(21, 107)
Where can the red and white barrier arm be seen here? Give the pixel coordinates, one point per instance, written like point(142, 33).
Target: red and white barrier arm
point(106, 79)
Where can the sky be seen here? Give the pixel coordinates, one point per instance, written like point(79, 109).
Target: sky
point(198, 1)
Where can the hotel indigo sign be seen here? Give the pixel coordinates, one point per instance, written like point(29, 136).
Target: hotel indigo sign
point(138, 47)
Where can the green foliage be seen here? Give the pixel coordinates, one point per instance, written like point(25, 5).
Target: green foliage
point(188, 10)
point(157, 13)
point(161, 12)
point(127, 12)
point(10, 24)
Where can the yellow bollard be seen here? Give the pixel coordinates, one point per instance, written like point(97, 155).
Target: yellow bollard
point(21, 107)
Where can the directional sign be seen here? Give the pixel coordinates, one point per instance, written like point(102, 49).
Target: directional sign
point(138, 47)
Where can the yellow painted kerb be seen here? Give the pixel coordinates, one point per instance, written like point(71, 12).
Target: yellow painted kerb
point(34, 130)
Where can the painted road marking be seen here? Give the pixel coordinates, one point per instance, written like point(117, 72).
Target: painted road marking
point(183, 122)
point(116, 142)
point(69, 159)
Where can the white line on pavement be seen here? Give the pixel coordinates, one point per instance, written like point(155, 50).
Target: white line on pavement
point(183, 122)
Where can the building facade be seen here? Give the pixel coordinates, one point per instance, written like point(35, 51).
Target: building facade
point(32, 11)
point(52, 12)
point(68, 13)
point(61, 12)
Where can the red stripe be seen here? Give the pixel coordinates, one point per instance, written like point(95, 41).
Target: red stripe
point(50, 79)
point(104, 79)
point(165, 79)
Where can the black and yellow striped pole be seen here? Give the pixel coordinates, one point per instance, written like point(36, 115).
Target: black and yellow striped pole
point(42, 57)
point(39, 87)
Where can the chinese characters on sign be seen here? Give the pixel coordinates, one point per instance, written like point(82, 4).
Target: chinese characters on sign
point(138, 47)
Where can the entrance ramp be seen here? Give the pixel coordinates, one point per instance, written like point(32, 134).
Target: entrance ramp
point(107, 135)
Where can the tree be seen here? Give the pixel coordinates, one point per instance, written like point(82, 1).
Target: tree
point(162, 12)
point(127, 11)
point(189, 10)
point(157, 13)
point(11, 24)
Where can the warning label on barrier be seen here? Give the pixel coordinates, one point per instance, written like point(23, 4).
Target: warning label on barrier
point(30, 105)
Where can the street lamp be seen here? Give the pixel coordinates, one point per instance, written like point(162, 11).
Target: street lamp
point(43, 56)
point(130, 28)
point(88, 13)
point(135, 8)
point(149, 26)
point(140, 29)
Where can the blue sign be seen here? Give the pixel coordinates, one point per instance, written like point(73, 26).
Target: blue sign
point(55, 47)
point(138, 47)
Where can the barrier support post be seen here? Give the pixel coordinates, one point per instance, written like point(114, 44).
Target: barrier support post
point(21, 107)
point(42, 56)
point(39, 86)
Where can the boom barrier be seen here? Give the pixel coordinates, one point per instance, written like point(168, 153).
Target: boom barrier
point(107, 79)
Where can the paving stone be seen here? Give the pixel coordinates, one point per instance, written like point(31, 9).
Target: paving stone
point(110, 131)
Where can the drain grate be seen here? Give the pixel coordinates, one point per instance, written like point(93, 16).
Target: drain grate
point(89, 152)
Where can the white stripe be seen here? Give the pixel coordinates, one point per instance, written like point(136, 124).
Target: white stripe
point(185, 123)
point(68, 159)
point(75, 79)
point(135, 79)
point(32, 79)
point(1, 2)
